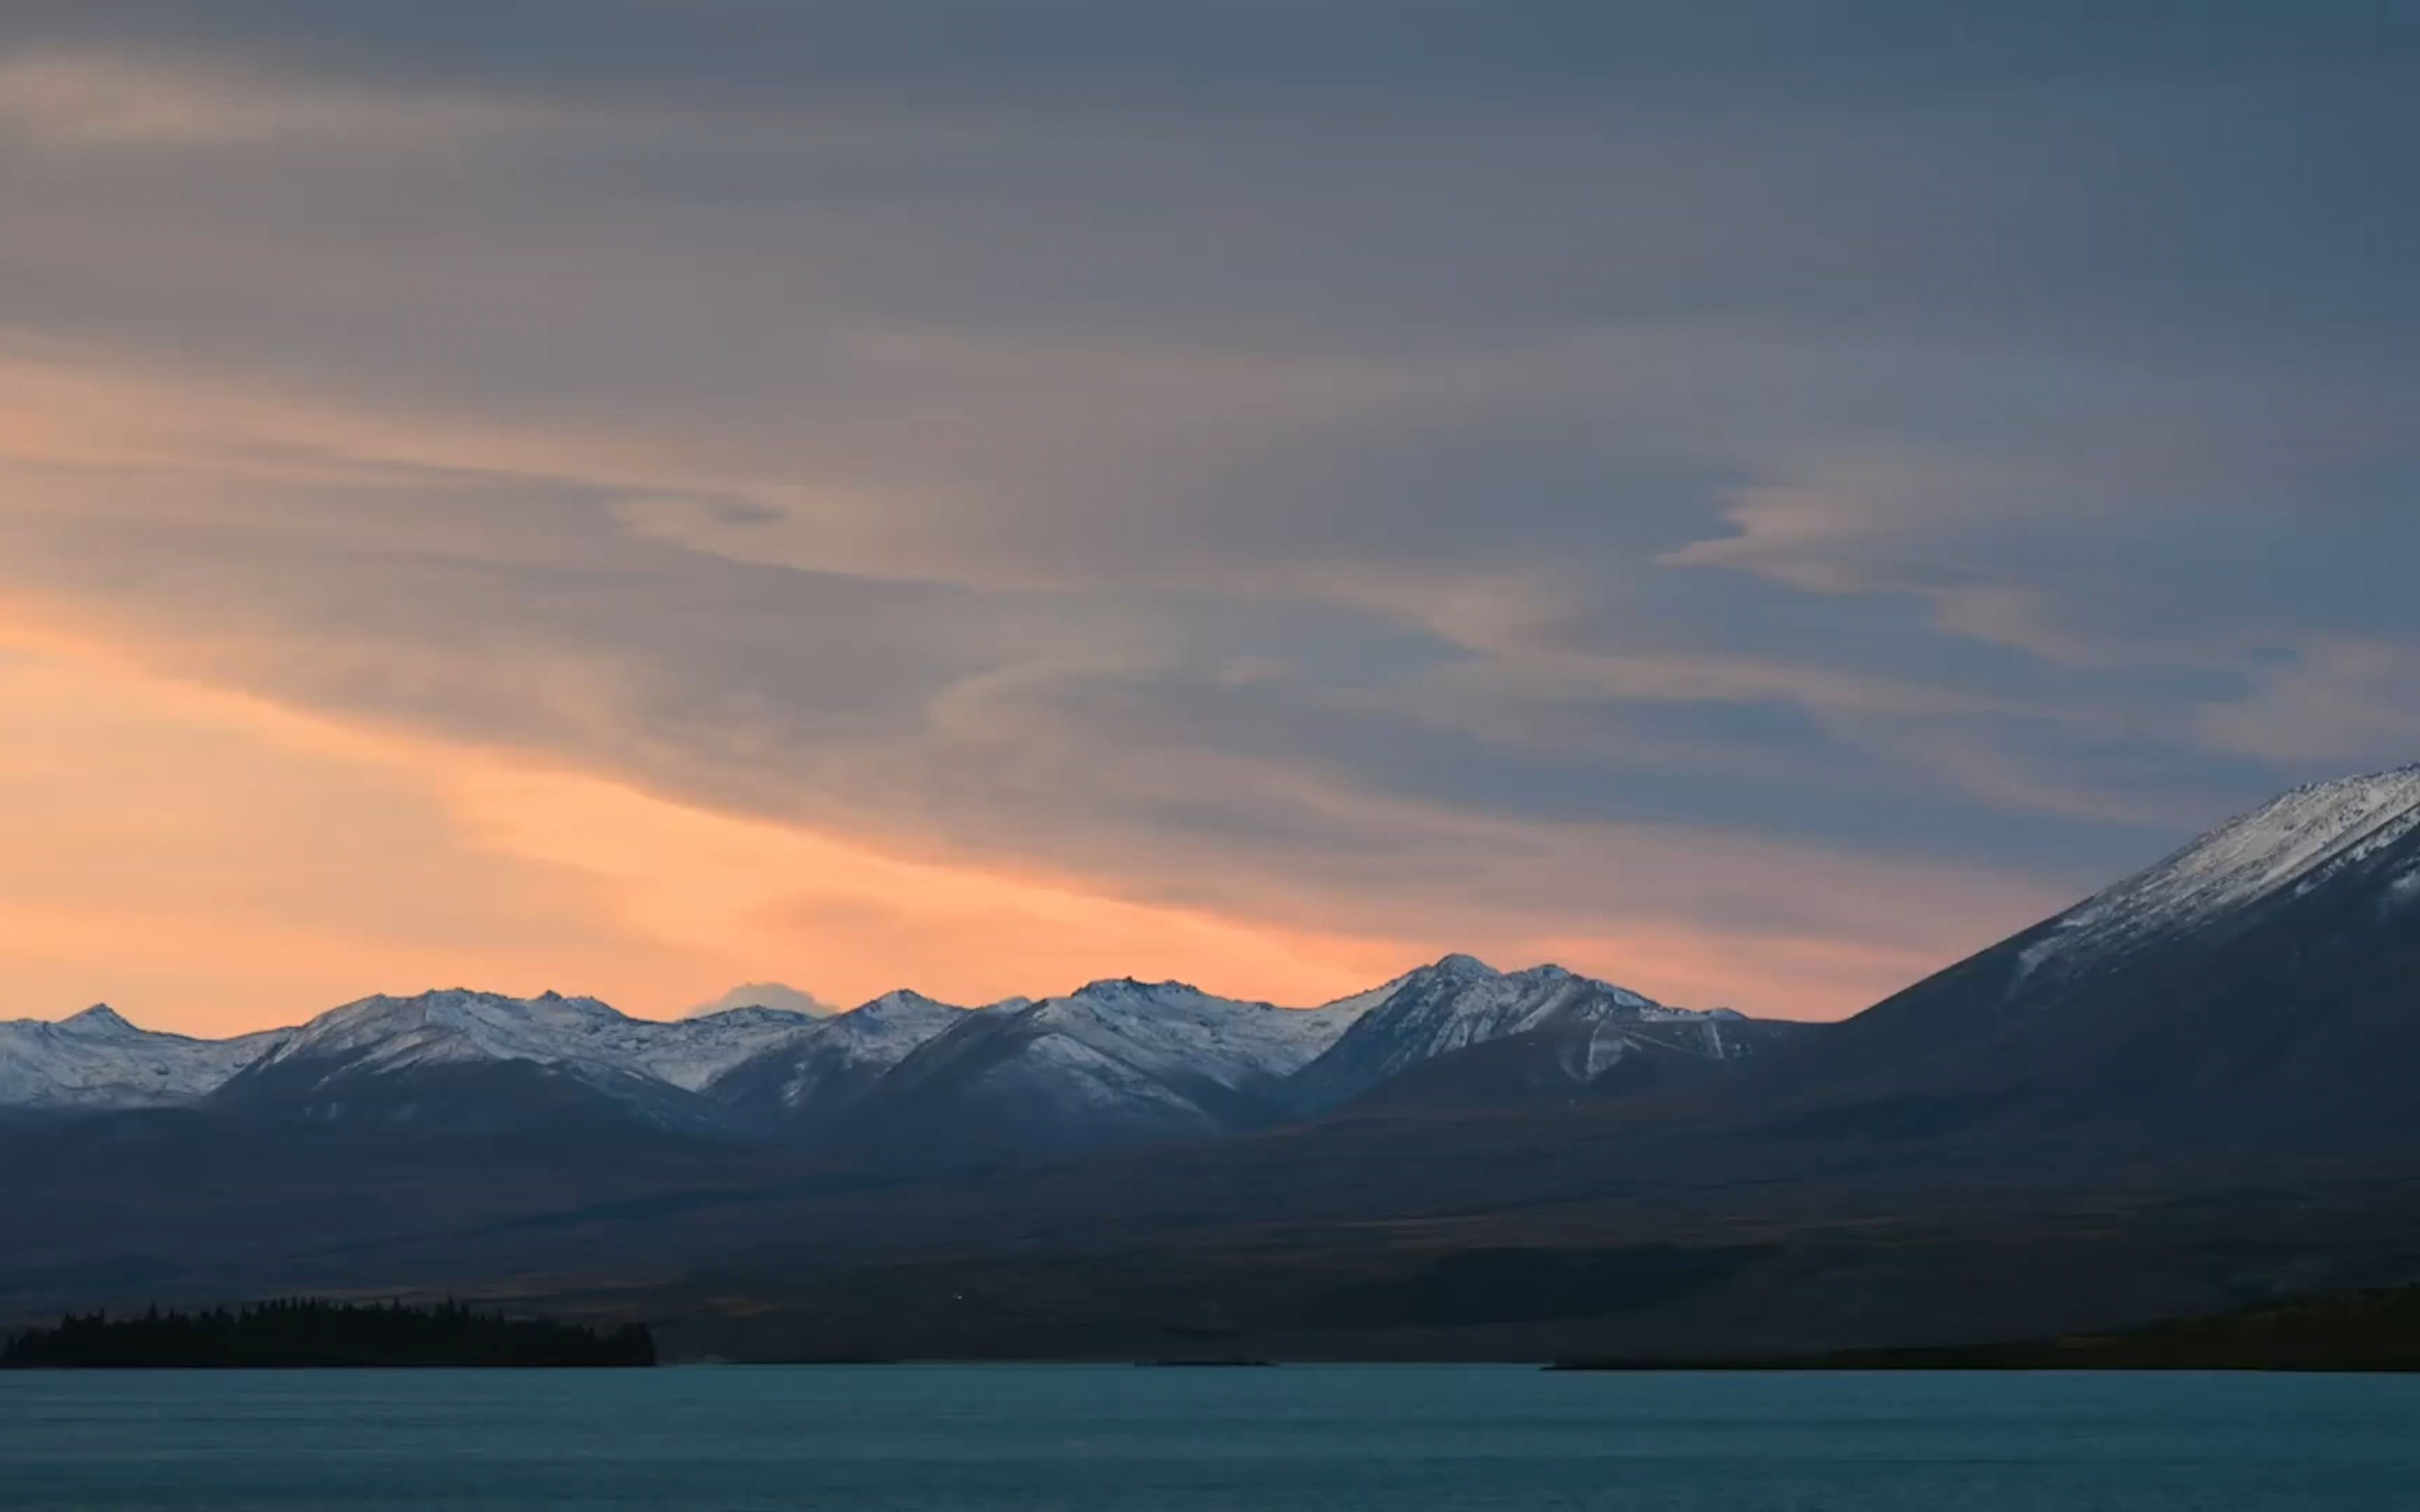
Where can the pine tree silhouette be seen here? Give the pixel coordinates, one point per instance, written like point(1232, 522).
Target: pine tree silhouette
point(304, 1332)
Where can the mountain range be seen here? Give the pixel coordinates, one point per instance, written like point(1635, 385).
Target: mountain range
point(2189, 1092)
point(1114, 1062)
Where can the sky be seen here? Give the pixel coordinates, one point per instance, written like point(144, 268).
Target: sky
point(1749, 500)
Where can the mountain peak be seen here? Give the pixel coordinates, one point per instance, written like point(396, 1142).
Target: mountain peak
point(2392, 778)
point(95, 1060)
point(2293, 841)
point(1462, 1002)
point(898, 1001)
point(1465, 968)
point(99, 1019)
point(2345, 798)
point(1129, 987)
point(447, 1004)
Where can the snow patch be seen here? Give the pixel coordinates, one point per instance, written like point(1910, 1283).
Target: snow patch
point(2291, 845)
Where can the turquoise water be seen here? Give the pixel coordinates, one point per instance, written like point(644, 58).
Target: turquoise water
point(1408, 1439)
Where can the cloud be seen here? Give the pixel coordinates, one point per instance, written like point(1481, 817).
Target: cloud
point(277, 863)
point(763, 995)
point(2334, 703)
point(1751, 517)
point(219, 866)
point(100, 100)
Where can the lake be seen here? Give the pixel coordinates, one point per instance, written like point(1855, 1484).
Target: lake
point(1078, 1439)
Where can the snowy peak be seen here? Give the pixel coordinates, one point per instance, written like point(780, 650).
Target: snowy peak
point(1456, 969)
point(814, 1074)
point(1460, 1003)
point(99, 1021)
point(1460, 967)
point(383, 1034)
point(96, 1060)
point(690, 1053)
point(1171, 1028)
point(1116, 1061)
point(888, 1025)
point(2291, 845)
point(390, 1033)
point(1131, 989)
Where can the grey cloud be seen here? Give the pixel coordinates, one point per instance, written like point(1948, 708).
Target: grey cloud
point(2327, 701)
point(1366, 444)
point(1258, 48)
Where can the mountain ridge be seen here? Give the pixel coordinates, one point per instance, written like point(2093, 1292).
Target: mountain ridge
point(1116, 1061)
point(2201, 1097)
point(2253, 971)
point(96, 1059)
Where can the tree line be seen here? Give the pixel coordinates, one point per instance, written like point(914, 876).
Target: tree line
point(309, 1333)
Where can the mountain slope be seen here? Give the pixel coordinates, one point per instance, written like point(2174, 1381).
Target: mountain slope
point(2257, 988)
point(97, 1060)
point(2291, 846)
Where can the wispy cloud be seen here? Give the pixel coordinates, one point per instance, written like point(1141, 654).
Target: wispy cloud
point(1029, 496)
point(2330, 702)
point(102, 101)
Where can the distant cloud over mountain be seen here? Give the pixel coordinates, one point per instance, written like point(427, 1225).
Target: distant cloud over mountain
point(765, 994)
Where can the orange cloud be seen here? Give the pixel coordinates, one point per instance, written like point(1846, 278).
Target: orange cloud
point(215, 859)
point(215, 863)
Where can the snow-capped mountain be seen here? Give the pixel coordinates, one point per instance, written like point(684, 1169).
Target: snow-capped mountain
point(808, 1080)
point(95, 1060)
point(2293, 844)
point(390, 1034)
point(1177, 1032)
point(1578, 1027)
point(1114, 1060)
point(468, 1060)
point(2255, 986)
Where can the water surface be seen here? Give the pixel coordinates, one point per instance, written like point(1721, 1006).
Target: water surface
point(1075, 1439)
